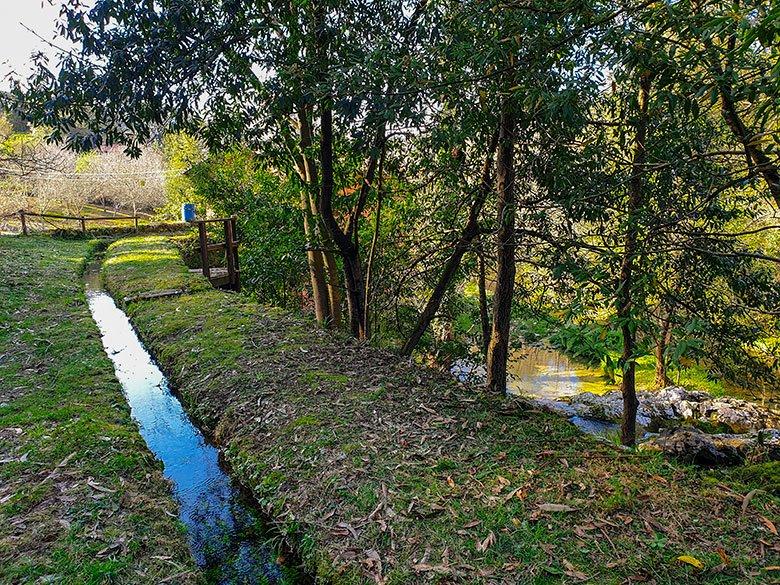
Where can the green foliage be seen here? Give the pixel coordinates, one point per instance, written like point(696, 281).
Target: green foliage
point(422, 83)
point(181, 152)
point(273, 260)
point(766, 475)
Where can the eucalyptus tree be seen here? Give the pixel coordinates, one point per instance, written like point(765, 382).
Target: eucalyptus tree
point(526, 63)
point(728, 55)
point(657, 180)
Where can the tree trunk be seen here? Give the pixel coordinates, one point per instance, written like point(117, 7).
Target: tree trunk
point(757, 158)
point(307, 169)
point(353, 274)
point(334, 283)
point(374, 243)
point(498, 348)
point(484, 317)
point(316, 267)
point(470, 231)
point(624, 292)
point(347, 240)
point(761, 162)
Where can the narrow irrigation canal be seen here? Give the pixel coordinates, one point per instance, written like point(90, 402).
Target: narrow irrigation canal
point(226, 537)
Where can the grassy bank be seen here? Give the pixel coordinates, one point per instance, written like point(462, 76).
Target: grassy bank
point(384, 472)
point(82, 500)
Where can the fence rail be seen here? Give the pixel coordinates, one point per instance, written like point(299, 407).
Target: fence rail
point(23, 215)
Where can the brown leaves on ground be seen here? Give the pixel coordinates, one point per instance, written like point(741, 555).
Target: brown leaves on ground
point(391, 469)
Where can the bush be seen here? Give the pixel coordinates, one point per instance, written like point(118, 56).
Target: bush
point(272, 249)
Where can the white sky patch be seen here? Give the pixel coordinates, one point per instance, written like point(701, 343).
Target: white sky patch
point(17, 43)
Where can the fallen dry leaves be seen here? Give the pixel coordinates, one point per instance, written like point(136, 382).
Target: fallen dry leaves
point(485, 544)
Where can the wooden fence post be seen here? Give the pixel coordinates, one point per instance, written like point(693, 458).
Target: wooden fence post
point(234, 249)
point(83, 225)
point(229, 257)
point(24, 222)
point(204, 252)
point(135, 220)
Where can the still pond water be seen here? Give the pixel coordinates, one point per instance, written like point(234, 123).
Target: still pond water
point(542, 372)
point(539, 372)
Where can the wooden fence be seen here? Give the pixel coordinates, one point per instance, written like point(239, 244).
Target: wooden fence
point(220, 277)
point(23, 215)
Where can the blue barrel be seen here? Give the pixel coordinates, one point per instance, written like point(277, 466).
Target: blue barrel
point(188, 212)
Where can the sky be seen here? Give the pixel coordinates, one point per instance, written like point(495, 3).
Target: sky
point(17, 43)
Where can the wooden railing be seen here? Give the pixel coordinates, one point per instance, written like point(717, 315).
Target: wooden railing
point(23, 215)
point(220, 277)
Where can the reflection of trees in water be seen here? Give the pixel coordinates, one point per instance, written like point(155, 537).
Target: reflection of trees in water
point(228, 539)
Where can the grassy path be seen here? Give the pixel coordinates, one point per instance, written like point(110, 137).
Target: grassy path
point(387, 473)
point(81, 498)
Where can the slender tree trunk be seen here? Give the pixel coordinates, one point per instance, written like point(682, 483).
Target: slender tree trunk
point(758, 160)
point(307, 169)
point(470, 231)
point(374, 243)
point(624, 292)
point(327, 258)
point(353, 274)
point(484, 317)
point(316, 267)
point(334, 284)
point(347, 240)
point(661, 343)
point(498, 348)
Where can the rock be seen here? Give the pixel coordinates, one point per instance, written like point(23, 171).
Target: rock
point(686, 410)
point(693, 446)
point(674, 404)
point(739, 415)
point(608, 406)
point(554, 406)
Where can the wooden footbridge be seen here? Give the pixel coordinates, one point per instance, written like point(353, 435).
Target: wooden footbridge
point(229, 276)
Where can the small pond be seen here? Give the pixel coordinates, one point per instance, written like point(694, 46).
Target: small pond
point(540, 372)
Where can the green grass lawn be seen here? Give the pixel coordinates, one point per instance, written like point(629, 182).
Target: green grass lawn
point(82, 500)
point(381, 471)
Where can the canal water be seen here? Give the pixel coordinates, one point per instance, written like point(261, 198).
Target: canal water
point(225, 534)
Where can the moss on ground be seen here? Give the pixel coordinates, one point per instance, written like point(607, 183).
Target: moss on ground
point(385, 472)
point(82, 500)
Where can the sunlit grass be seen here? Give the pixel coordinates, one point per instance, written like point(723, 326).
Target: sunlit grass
point(64, 423)
point(324, 431)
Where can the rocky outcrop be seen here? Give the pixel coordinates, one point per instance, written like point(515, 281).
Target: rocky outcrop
point(669, 407)
point(693, 446)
